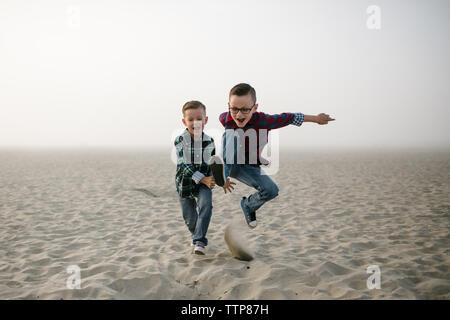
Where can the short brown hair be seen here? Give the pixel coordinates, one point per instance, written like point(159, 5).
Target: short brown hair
point(243, 89)
point(193, 105)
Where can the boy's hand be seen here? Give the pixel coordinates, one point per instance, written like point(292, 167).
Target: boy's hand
point(323, 118)
point(208, 181)
point(228, 186)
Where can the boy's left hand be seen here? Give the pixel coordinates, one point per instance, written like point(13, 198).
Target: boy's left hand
point(323, 118)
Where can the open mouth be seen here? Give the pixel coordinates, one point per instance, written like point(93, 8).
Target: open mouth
point(240, 121)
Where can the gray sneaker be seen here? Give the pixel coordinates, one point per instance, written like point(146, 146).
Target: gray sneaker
point(250, 217)
point(199, 249)
point(217, 170)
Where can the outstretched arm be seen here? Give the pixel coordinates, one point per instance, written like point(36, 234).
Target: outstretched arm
point(277, 121)
point(321, 118)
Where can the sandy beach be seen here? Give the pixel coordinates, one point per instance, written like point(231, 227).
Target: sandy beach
point(116, 216)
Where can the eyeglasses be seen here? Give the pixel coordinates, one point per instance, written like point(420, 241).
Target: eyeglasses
point(234, 110)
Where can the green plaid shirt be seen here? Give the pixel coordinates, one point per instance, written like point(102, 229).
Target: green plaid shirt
point(192, 162)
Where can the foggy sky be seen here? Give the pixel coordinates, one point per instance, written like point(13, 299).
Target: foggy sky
point(116, 73)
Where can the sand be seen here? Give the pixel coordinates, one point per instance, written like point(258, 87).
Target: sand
point(236, 243)
point(116, 216)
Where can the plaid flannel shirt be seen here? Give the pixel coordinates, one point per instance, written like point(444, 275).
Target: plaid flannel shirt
point(260, 120)
point(192, 162)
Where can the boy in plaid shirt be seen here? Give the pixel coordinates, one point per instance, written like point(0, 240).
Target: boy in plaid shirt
point(193, 177)
point(243, 114)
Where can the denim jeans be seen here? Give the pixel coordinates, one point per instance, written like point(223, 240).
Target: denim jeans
point(197, 214)
point(253, 177)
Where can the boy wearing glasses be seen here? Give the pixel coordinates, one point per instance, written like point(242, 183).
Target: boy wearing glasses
point(243, 115)
point(193, 176)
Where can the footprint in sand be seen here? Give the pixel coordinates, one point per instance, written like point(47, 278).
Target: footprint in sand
point(145, 191)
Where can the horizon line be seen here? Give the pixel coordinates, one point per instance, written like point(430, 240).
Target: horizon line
point(142, 148)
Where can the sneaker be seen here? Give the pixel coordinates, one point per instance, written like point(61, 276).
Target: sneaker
point(250, 217)
point(199, 249)
point(218, 170)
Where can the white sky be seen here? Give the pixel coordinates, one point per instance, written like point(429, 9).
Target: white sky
point(120, 77)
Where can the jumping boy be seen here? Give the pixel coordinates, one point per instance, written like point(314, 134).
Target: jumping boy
point(193, 176)
point(242, 114)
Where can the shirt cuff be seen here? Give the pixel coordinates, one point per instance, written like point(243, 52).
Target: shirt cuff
point(298, 119)
point(197, 176)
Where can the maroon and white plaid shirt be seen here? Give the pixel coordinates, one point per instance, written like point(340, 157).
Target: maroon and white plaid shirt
point(262, 123)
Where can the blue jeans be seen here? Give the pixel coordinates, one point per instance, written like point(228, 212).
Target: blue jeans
point(198, 222)
point(251, 176)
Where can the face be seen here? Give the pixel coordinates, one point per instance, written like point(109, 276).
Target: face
point(242, 102)
point(195, 120)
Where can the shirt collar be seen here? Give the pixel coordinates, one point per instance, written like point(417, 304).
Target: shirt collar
point(229, 118)
point(187, 135)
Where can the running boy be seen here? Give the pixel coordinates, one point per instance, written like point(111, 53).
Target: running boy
point(242, 114)
point(193, 179)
